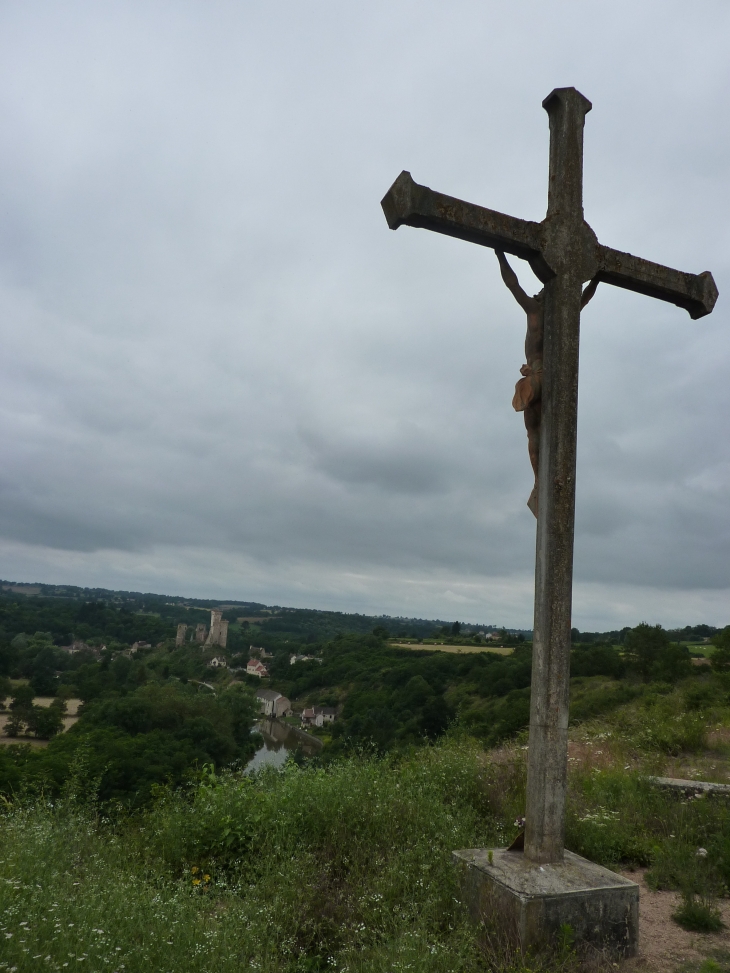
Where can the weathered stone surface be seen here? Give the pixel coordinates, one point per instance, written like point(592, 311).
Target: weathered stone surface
point(533, 901)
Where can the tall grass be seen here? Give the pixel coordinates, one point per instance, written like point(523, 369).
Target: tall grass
point(343, 868)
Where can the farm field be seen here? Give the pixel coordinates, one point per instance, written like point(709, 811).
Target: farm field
point(454, 649)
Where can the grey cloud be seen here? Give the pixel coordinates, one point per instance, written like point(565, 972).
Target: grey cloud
point(212, 343)
point(398, 467)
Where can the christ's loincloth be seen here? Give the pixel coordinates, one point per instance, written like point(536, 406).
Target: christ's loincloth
point(528, 400)
point(529, 388)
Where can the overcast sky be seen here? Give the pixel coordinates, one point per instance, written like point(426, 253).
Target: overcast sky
point(223, 376)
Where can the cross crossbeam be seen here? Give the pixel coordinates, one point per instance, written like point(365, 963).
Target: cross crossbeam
point(408, 204)
point(564, 253)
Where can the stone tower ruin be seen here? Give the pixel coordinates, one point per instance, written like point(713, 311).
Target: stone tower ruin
point(218, 634)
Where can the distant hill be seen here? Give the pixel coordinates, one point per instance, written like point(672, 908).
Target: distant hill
point(303, 623)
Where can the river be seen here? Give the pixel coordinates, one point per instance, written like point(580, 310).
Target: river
point(279, 740)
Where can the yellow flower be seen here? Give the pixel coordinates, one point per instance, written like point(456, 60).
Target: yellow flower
point(206, 877)
point(196, 881)
point(195, 869)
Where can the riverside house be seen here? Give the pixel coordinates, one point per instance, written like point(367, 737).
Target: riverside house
point(273, 704)
point(318, 715)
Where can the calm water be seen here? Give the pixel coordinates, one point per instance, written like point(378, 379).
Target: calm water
point(279, 740)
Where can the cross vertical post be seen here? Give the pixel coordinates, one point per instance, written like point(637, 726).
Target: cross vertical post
point(549, 701)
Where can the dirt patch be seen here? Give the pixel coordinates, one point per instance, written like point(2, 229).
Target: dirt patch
point(663, 945)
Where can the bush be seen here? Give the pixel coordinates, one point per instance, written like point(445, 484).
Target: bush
point(598, 659)
point(303, 871)
point(698, 915)
point(659, 723)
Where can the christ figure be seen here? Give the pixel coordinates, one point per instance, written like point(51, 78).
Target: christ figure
point(528, 391)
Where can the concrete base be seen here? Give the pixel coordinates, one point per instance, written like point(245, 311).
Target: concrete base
point(534, 901)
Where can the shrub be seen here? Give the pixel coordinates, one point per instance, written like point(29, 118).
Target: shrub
point(598, 659)
point(698, 915)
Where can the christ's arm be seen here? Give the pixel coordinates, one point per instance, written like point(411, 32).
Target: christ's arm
point(527, 303)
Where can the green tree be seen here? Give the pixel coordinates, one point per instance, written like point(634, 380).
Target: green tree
point(22, 698)
point(45, 721)
point(721, 656)
point(456, 628)
point(14, 725)
point(674, 663)
point(240, 703)
point(644, 646)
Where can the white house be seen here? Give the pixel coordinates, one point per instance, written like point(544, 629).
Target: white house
point(273, 703)
point(318, 715)
point(256, 668)
point(218, 662)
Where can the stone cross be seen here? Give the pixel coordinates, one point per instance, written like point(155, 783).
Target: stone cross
point(564, 253)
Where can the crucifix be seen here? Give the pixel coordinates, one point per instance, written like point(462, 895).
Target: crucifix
point(564, 253)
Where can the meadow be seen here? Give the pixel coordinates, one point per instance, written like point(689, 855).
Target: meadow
point(347, 866)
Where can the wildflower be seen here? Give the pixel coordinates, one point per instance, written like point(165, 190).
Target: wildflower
point(196, 881)
point(206, 878)
point(195, 870)
point(702, 852)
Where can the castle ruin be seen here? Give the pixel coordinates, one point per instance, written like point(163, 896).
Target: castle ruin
point(218, 634)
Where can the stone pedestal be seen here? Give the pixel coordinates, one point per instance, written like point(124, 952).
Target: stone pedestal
point(534, 901)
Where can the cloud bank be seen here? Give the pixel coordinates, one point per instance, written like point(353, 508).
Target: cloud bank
point(223, 375)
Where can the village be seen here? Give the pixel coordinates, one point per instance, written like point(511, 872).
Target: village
point(272, 704)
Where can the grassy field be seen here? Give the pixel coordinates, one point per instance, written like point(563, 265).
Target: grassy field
point(347, 867)
point(455, 649)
